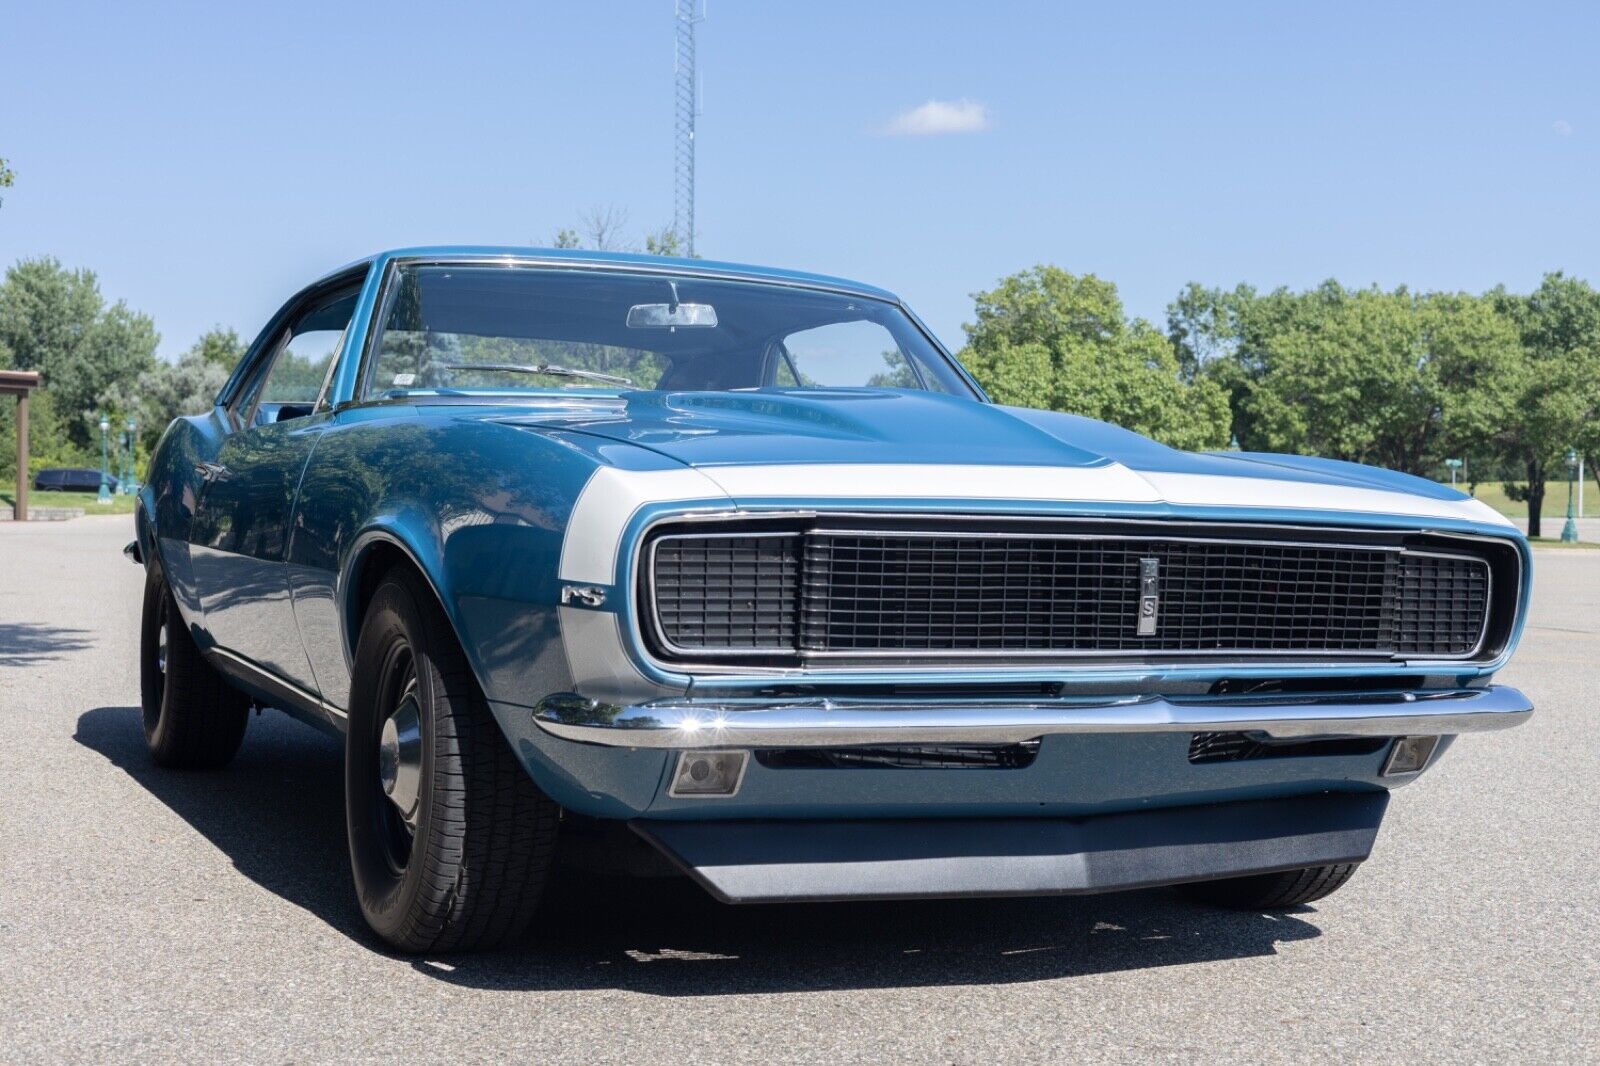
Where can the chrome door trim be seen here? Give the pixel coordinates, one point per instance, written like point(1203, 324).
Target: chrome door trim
point(271, 686)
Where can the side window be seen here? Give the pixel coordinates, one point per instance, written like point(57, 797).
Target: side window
point(848, 355)
point(305, 354)
point(783, 375)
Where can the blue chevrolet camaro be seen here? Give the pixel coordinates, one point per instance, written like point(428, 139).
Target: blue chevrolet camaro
point(740, 567)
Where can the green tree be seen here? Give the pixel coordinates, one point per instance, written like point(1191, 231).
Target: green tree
point(1557, 386)
point(1050, 339)
point(604, 229)
point(7, 177)
point(55, 321)
point(219, 347)
point(1377, 377)
point(188, 386)
point(48, 444)
point(1394, 379)
point(664, 241)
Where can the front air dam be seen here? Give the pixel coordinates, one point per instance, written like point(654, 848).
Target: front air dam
point(778, 861)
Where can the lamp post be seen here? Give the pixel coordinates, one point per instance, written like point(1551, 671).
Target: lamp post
point(127, 487)
point(1569, 532)
point(105, 460)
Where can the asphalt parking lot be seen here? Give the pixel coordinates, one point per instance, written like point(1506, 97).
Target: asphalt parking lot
point(151, 915)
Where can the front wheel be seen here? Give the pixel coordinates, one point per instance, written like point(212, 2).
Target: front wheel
point(193, 719)
point(450, 840)
point(1270, 892)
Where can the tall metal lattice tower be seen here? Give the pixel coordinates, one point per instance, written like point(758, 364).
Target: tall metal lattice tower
point(686, 98)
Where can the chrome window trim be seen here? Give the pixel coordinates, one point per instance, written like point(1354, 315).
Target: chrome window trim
point(644, 573)
point(265, 345)
point(248, 399)
point(386, 288)
point(321, 403)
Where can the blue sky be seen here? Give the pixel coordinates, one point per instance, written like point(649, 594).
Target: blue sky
point(207, 159)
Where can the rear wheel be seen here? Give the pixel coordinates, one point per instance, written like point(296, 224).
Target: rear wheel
point(1267, 892)
point(193, 719)
point(450, 840)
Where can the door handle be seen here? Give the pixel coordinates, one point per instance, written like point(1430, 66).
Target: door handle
point(211, 471)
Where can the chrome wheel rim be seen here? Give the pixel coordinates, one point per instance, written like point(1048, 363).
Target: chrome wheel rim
point(400, 757)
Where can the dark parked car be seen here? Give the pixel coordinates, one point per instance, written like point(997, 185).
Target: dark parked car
point(71, 479)
point(741, 563)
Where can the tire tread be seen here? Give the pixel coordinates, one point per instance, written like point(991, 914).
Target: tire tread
point(200, 718)
point(1279, 891)
point(491, 830)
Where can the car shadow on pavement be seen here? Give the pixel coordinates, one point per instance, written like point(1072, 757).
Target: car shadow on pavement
point(276, 811)
point(29, 643)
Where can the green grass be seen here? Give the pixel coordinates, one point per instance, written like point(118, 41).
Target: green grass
point(85, 500)
point(1493, 493)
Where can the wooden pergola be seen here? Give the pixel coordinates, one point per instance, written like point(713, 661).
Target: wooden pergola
point(19, 383)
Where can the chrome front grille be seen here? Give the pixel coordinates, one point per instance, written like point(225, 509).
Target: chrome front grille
point(824, 593)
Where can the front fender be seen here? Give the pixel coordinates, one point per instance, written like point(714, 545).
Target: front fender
point(480, 508)
point(165, 507)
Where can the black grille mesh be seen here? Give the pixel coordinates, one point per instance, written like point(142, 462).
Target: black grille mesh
point(1237, 747)
point(1441, 603)
point(727, 592)
point(876, 593)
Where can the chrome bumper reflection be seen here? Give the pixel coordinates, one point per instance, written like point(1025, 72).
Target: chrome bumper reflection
point(689, 723)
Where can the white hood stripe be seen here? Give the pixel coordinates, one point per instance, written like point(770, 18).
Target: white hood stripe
point(1213, 490)
point(612, 496)
point(1110, 481)
point(607, 503)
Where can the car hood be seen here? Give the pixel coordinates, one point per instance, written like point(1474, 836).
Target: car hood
point(895, 444)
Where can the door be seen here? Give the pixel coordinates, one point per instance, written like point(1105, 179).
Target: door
point(240, 535)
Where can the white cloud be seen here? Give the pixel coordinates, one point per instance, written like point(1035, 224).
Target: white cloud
point(938, 117)
point(1563, 128)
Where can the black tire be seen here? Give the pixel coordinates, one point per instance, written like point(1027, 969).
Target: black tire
point(465, 870)
point(1271, 892)
point(193, 719)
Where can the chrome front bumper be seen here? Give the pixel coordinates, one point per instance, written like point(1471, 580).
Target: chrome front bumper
point(690, 723)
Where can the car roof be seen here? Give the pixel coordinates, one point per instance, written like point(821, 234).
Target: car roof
point(578, 256)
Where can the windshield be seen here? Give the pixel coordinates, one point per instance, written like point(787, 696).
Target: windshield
point(495, 329)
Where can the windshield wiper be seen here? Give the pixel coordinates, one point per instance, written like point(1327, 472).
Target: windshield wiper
point(544, 368)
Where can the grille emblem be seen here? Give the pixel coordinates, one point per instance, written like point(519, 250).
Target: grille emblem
point(1149, 596)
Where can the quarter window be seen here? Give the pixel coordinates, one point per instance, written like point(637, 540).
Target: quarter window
point(308, 347)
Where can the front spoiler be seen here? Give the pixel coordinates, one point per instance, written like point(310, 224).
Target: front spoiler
point(759, 862)
point(690, 723)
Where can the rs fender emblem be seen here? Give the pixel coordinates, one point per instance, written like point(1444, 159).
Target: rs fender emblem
point(1149, 596)
point(585, 595)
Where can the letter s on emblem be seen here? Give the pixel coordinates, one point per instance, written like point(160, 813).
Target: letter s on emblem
point(584, 595)
point(1149, 595)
